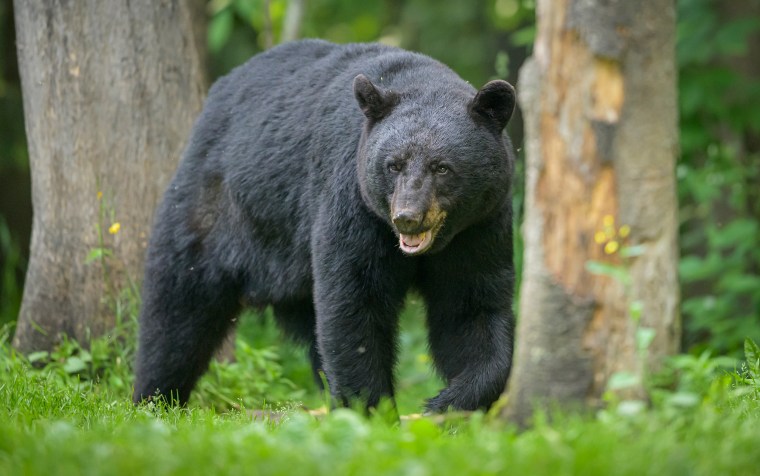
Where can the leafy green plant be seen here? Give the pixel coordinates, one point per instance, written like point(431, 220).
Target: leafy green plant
point(107, 359)
point(613, 241)
point(688, 382)
point(749, 375)
point(254, 380)
point(691, 379)
point(752, 354)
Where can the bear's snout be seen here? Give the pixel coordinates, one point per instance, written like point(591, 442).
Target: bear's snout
point(408, 220)
point(417, 228)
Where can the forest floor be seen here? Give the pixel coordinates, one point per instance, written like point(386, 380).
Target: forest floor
point(69, 412)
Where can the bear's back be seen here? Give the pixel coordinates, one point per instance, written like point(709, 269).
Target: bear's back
point(276, 135)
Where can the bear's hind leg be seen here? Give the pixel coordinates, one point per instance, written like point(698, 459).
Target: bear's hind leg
point(187, 312)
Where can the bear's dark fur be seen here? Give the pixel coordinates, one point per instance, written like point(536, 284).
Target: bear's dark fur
point(327, 181)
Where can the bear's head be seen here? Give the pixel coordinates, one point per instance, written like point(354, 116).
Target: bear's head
point(433, 161)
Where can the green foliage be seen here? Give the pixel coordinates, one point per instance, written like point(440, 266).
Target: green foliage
point(750, 371)
point(73, 416)
point(272, 370)
point(251, 381)
point(719, 176)
point(12, 263)
point(268, 369)
point(752, 354)
point(487, 31)
point(14, 167)
point(48, 426)
point(416, 378)
point(13, 149)
point(105, 362)
point(617, 272)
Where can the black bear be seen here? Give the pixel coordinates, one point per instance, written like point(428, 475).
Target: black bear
point(327, 181)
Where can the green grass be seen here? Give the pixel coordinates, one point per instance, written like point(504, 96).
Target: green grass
point(74, 417)
point(51, 428)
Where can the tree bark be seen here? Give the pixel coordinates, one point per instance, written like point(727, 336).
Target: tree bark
point(111, 90)
point(599, 102)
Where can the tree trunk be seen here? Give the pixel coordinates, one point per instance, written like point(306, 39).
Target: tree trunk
point(111, 90)
point(599, 100)
point(291, 29)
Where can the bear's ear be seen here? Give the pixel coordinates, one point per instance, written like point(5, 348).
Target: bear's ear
point(495, 103)
point(375, 102)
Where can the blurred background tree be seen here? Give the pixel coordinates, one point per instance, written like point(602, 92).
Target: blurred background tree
point(718, 170)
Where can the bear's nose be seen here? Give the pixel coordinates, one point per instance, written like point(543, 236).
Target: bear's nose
point(407, 221)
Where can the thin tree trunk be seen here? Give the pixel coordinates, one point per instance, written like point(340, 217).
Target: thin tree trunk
point(599, 101)
point(268, 30)
point(291, 29)
point(111, 90)
point(198, 11)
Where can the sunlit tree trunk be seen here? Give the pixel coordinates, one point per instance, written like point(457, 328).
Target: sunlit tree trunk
point(291, 28)
point(599, 296)
point(110, 90)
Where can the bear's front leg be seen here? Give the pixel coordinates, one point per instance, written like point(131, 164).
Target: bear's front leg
point(360, 283)
point(472, 349)
point(469, 300)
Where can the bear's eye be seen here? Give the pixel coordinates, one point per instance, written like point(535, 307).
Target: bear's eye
point(394, 167)
point(440, 169)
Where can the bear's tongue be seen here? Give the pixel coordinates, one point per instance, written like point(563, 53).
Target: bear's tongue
point(412, 244)
point(412, 241)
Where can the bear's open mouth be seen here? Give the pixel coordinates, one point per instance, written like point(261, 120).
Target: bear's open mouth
point(415, 244)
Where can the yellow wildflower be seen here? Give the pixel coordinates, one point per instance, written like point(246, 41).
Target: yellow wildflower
point(608, 220)
point(611, 247)
point(625, 230)
point(113, 229)
point(100, 194)
point(600, 237)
